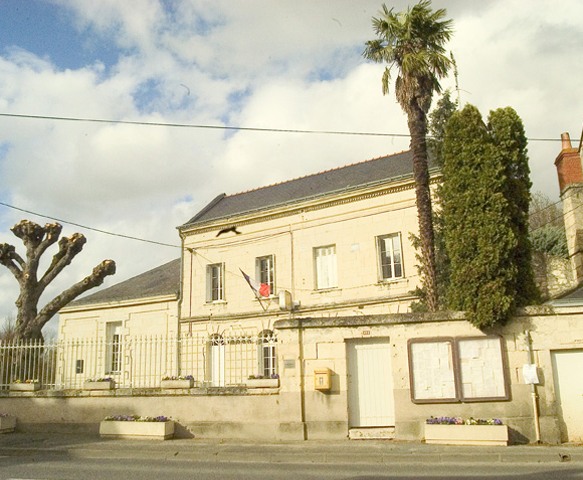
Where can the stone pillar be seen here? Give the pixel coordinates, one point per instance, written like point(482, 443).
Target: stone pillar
point(568, 165)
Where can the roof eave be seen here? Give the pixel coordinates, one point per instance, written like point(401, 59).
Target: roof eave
point(433, 172)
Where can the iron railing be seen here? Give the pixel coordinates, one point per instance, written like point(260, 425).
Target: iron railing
point(139, 362)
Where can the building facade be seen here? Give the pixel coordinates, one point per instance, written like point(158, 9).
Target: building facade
point(308, 284)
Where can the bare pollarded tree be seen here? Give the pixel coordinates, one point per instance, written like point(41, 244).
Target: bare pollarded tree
point(37, 239)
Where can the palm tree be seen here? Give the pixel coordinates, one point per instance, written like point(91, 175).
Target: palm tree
point(412, 41)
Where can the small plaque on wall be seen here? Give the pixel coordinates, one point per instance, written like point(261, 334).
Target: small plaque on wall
point(289, 363)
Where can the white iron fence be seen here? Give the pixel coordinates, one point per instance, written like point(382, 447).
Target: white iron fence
point(140, 362)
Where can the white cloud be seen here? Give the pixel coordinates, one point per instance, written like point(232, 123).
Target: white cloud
point(290, 65)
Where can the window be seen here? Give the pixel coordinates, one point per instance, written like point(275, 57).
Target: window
point(215, 288)
point(267, 353)
point(265, 271)
point(467, 369)
point(113, 347)
point(390, 256)
point(325, 267)
point(79, 366)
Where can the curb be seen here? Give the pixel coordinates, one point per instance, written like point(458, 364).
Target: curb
point(319, 457)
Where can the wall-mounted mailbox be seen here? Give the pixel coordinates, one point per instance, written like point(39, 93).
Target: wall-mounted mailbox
point(322, 379)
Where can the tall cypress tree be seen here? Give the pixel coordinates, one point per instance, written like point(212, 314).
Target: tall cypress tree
point(485, 198)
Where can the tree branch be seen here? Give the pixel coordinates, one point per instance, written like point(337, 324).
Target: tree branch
point(105, 268)
point(29, 232)
point(9, 258)
point(52, 233)
point(36, 239)
point(69, 247)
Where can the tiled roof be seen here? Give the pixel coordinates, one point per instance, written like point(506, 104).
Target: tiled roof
point(358, 175)
point(163, 280)
point(572, 298)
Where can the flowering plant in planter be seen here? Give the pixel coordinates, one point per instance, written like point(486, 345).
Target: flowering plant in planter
point(101, 379)
point(178, 377)
point(460, 421)
point(28, 385)
point(137, 426)
point(135, 418)
point(263, 381)
point(263, 377)
point(472, 431)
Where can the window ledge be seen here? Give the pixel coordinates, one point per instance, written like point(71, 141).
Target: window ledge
point(331, 290)
point(215, 302)
point(393, 281)
point(271, 297)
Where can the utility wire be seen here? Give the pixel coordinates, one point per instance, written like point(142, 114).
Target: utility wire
point(129, 237)
point(229, 127)
point(89, 228)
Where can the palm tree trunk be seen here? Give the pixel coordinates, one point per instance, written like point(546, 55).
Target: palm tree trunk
point(417, 121)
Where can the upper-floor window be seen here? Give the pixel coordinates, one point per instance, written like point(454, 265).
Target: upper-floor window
point(325, 267)
point(265, 272)
point(215, 282)
point(390, 256)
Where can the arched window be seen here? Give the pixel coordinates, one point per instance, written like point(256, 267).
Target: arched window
point(267, 342)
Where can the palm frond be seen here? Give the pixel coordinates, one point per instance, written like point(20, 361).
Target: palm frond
point(413, 41)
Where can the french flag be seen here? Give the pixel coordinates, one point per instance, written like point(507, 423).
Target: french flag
point(260, 289)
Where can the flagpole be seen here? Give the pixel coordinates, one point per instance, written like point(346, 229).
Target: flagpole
point(254, 291)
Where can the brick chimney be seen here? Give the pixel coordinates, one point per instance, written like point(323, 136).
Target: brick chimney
point(570, 173)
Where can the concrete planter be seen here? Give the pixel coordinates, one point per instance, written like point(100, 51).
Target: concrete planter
point(7, 424)
point(104, 385)
point(466, 434)
point(24, 387)
point(262, 383)
point(145, 430)
point(188, 383)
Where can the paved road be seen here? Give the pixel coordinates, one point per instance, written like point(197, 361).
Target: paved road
point(65, 468)
point(34, 456)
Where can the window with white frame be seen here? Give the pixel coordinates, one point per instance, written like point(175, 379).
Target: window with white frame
point(390, 256)
point(265, 271)
point(326, 270)
point(113, 347)
point(465, 369)
point(215, 282)
point(267, 353)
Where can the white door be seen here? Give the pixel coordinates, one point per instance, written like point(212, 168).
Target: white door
point(217, 361)
point(370, 383)
point(567, 368)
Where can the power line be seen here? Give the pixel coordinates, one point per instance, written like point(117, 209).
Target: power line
point(228, 127)
point(129, 237)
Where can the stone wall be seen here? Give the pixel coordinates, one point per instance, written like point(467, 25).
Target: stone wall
point(230, 414)
point(553, 275)
point(297, 410)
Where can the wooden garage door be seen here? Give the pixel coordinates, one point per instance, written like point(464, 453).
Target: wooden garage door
point(567, 368)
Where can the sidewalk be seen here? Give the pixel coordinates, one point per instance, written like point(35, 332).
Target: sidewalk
point(338, 452)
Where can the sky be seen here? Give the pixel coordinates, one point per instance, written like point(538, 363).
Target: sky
point(256, 64)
